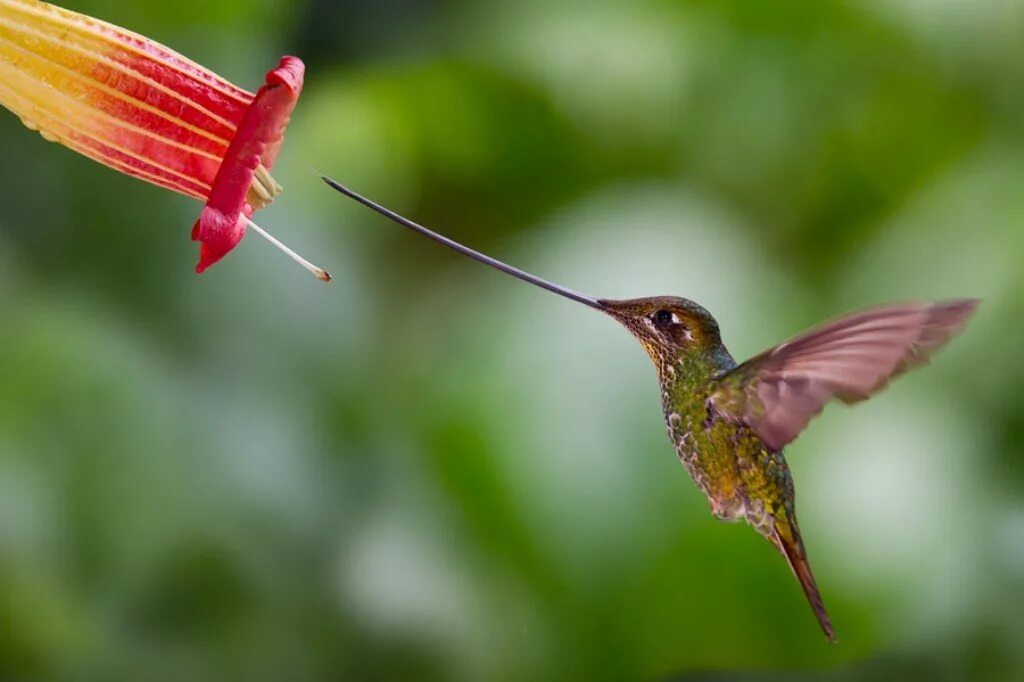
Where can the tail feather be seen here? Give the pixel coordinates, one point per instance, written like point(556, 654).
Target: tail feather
point(787, 539)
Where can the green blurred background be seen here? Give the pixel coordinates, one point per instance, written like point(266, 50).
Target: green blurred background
point(430, 471)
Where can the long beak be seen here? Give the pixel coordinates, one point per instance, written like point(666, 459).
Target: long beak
point(466, 251)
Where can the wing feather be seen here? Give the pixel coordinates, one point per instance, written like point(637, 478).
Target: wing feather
point(778, 392)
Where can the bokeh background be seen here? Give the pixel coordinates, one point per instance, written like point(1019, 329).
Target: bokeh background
point(429, 471)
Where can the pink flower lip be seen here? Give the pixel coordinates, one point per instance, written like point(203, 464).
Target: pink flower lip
point(222, 224)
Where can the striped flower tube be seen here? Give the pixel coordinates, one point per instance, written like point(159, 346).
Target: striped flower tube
point(140, 108)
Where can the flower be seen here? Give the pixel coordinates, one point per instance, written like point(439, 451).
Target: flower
point(142, 109)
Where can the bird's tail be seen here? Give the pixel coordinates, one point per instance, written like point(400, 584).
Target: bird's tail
point(786, 537)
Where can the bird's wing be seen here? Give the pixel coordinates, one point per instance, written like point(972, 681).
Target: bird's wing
point(780, 390)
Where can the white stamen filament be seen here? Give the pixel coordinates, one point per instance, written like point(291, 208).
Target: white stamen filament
point(319, 273)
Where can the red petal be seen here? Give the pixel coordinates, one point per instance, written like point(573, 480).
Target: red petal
point(258, 138)
point(116, 96)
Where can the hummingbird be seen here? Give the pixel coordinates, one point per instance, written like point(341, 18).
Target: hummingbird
point(729, 422)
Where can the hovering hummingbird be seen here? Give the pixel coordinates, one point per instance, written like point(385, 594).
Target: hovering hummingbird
point(729, 422)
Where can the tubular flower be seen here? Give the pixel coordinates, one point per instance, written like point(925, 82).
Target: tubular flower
point(142, 109)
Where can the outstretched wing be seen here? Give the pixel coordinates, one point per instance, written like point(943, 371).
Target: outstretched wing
point(780, 390)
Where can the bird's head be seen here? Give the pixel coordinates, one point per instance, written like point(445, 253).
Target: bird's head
point(666, 326)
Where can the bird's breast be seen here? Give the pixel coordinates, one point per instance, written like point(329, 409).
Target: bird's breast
point(710, 466)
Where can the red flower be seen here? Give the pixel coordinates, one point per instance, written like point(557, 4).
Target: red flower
point(144, 110)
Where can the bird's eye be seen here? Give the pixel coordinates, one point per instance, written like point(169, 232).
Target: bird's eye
point(663, 317)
